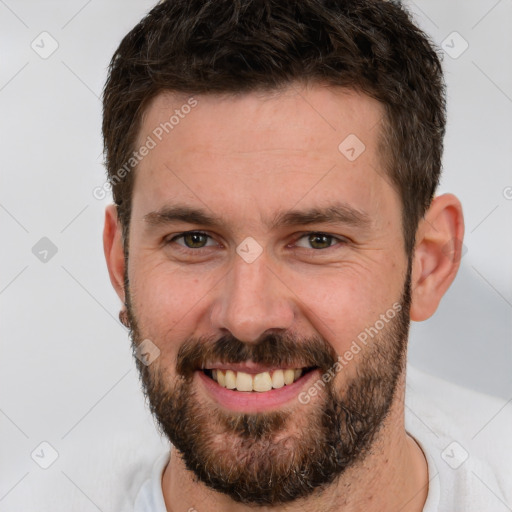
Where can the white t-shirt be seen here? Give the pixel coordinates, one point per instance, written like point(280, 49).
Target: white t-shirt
point(466, 437)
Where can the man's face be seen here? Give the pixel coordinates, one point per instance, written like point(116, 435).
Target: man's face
point(269, 284)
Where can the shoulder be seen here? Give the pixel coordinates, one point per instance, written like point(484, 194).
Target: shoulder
point(106, 474)
point(461, 408)
point(468, 433)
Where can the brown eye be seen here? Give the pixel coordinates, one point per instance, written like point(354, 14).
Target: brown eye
point(192, 239)
point(318, 241)
point(195, 240)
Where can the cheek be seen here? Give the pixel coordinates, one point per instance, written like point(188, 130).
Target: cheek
point(167, 301)
point(338, 314)
point(351, 302)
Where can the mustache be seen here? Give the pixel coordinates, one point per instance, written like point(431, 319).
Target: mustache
point(277, 350)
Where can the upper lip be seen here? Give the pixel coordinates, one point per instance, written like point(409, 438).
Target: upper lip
point(248, 367)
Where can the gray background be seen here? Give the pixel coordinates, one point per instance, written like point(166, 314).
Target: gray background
point(66, 374)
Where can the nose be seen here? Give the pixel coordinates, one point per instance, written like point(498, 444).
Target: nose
point(252, 300)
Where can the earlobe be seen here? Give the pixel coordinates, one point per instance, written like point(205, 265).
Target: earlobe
point(113, 249)
point(437, 256)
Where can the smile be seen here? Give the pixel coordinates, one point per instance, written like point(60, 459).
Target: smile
point(260, 382)
point(250, 387)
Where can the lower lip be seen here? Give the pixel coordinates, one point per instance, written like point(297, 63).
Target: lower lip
point(255, 401)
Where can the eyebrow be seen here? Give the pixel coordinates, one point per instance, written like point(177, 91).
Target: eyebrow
point(339, 213)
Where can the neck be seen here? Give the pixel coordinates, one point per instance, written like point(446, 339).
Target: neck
point(393, 476)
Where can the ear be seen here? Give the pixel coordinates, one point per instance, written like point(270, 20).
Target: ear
point(113, 248)
point(437, 255)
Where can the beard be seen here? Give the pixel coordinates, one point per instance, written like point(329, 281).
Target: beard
point(276, 457)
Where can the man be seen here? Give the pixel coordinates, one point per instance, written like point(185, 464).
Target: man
point(275, 229)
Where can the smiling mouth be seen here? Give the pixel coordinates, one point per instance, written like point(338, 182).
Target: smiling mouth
point(256, 382)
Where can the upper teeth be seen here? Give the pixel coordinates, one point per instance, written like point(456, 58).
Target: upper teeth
point(265, 381)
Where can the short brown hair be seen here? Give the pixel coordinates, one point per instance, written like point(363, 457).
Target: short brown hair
point(240, 46)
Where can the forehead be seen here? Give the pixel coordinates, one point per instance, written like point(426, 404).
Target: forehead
point(317, 117)
point(273, 149)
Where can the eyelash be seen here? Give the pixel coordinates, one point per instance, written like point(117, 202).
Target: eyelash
point(340, 240)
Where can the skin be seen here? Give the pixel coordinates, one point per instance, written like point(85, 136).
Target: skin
point(244, 159)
